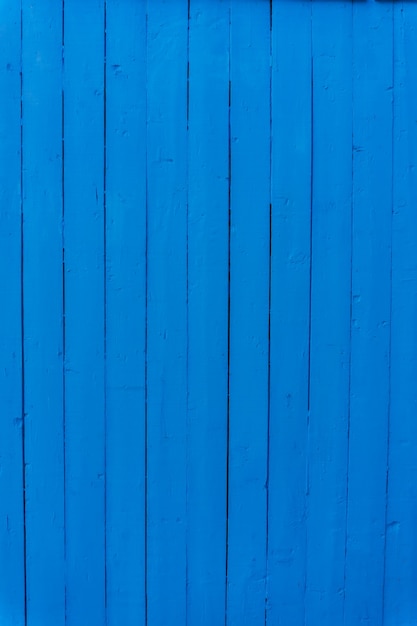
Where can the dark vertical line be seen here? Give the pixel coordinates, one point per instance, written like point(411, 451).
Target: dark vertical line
point(64, 346)
point(393, 77)
point(187, 320)
point(311, 209)
point(146, 319)
point(307, 491)
point(268, 450)
point(350, 331)
point(105, 295)
point(228, 312)
point(188, 68)
point(22, 318)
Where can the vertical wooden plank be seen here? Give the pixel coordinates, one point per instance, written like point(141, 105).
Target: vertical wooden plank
point(12, 561)
point(330, 311)
point(84, 311)
point(290, 309)
point(167, 311)
point(43, 310)
point(371, 287)
point(126, 309)
point(401, 546)
point(249, 316)
point(208, 271)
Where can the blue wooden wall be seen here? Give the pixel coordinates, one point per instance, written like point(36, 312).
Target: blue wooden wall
point(208, 322)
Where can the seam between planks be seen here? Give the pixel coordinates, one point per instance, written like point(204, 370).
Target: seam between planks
point(269, 313)
point(22, 322)
point(187, 349)
point(228, 314)
point(307, 460)
point(64, 401)
point(105, 299)
point(146, 319)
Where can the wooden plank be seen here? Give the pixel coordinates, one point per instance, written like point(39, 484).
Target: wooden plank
point(371, 303)
point(290, 309)
point(126, 310)
point(167, 312)
point(401, 548)
point(249, 315)
point(84, 311)
point(43, 310)
point(12, 561)
point(208, 271)
point(330, 311)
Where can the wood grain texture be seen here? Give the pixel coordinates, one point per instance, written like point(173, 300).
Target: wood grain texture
point(167, 311)
point(207, 337)
point(125, 188)
point(400, 603)
point(43, 311)
point(330, 311)
point(249, 310)
point(12, 548)
point(84, 311)
point(208, 271)
point(290, 310)
point(371, 311)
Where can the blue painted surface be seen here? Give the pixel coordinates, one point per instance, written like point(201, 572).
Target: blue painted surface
point(125, 310)
point(291, 178)
point(84, 221)
point(208, 346)
point(166, 320)
point(330, 311)
point(208, 310)
point(12, 549)
point(249, 311)
point(371, 314)
point(42, 292)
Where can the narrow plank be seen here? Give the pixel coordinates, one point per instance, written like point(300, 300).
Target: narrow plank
point(43, 310)
point(84, 311)
point(330, 310)
point(12, 561)
point(290, 309)
point(167, 312)
point(126, 310)
point(401, 547)
point(208, 270)
point(249, 315)
point(371, 287)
